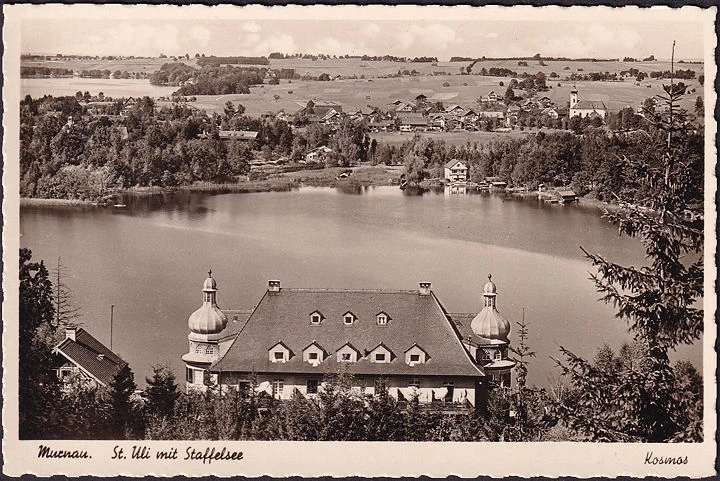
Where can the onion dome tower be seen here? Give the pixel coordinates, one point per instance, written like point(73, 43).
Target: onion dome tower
point(490, 336)
point(206, 325)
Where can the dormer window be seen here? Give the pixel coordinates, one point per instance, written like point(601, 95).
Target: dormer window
point(279, 353)
point(316, 318)
point(349, 318)
point(415, 355)
point(347, 353)
point(380, 354)
point(382, 318)
point(314, 354)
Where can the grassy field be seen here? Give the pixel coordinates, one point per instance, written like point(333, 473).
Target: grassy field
point(463, 90)
point(450, 138)
point(355, 66)
point(379, 92)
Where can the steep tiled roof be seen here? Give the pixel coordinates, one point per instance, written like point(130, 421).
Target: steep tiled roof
point(91, 356)
point(451, 163)
point(590, 105)
point(285, 316)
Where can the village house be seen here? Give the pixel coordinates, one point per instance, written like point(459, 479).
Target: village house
point(318, 154)
point(404, 340)
point(456, 171)
point(412, 122)
point(492, 96)
point(83, 359)
point(586, 108)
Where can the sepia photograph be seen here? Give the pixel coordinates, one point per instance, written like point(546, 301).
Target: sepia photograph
point(374, 241)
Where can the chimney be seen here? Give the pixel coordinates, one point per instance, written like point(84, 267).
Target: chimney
point(273, 286)
point(70, 333)
point(424, 288)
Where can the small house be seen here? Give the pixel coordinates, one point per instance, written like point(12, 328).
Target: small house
point(82, 358)
point(456, 171)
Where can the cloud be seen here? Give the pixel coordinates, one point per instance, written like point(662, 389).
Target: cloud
point(266, 44)
point(333, 46)
point(432, 39)
point(135, 39)
point(251, 27)
point(371, 30)
point(200, 35)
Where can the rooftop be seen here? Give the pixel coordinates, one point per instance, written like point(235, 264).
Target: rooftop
point(285, 316)
point(91, 356)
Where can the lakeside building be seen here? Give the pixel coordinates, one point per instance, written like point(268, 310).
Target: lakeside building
point(456, 171)
point(404, 339)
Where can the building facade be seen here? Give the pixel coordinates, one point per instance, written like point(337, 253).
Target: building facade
point(456, 171)
point(586, 108)
point(405, 341)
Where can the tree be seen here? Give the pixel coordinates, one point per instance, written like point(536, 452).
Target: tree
point(124, 417)
point(509, 95)
point(37, 388)
point(161, 392)
point(658, 300)
point(699, 107)
point(65, 311)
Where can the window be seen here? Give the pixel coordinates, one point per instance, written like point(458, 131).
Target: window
point(188, 375)
point(382, 319)
point(279, 355)
point(210, 350)
point(497, 355)
point(312, 386)
point(349, 318)
point(414, 357)
point(316, 317)
point(414, 382)
point(277, 387)
point(486, 355)
point(199, 349)
point(313, 356)
point(380, 357)
point(346, 356)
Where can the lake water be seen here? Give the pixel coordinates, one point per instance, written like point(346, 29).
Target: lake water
point(37, 87)
point(151, 258)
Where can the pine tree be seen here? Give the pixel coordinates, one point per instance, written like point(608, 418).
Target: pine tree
point(37, 388)
point(658, 301)
point(124, 416)
point(161, 392)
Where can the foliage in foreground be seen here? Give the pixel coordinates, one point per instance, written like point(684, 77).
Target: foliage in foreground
point(646, 399)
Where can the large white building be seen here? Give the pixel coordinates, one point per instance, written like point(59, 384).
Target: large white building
point(294, 337)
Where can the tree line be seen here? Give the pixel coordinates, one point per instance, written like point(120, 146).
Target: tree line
point(67, 152)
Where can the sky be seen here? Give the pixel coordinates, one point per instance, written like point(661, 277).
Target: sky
point(418, 31)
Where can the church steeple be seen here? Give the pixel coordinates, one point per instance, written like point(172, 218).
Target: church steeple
point(210, 290)
point(489, 324)
point(489, 293)
point(208, 321)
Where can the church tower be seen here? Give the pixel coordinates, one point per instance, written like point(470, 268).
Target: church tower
point(491, 332)
point(206, 325)
point(573, 97)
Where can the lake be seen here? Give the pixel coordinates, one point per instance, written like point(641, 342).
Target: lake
point(151, 258)
point(37, 87)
